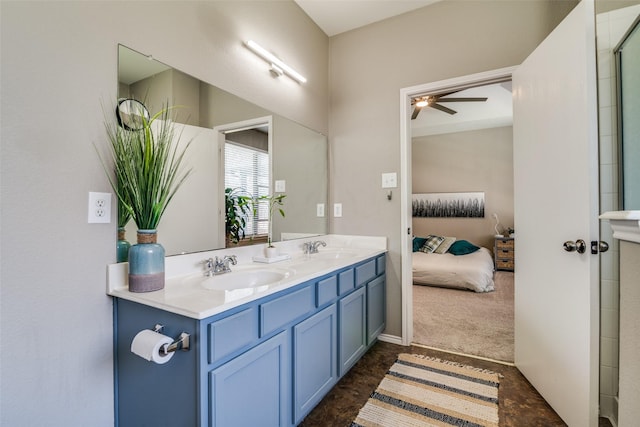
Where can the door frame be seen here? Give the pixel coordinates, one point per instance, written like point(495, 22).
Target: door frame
point(221, 132)
point(406, 227)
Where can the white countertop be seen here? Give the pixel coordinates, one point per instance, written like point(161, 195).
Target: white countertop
point(185, 294)
point(625, 224)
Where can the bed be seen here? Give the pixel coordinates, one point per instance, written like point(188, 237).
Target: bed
point(473, 271)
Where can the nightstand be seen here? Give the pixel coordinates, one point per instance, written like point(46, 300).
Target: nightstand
point(504, 253)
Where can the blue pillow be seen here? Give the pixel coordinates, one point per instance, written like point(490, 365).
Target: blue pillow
point(417, 243)
point(462, 247)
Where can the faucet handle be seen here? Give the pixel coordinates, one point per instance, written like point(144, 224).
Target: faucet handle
point(231, 258)
point(208, 263)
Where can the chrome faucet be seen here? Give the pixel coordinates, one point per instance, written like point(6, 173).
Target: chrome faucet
point(213, 267)
point(312, 247)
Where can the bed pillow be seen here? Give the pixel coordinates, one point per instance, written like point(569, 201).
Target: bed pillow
point(417, 243)
point(431, 244)
point(445, 245)
point(462, 247)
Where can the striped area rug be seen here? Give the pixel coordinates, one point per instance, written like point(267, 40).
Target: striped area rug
point(421, 391)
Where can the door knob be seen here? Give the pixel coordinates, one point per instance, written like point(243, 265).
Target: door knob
point(599, 246)
point(579, 246)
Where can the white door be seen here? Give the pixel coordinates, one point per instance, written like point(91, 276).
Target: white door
point(556, 200)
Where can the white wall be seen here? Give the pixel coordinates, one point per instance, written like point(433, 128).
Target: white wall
point(58, 65)
point(370, 65)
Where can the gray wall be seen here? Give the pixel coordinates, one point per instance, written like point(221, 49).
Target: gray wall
point(59, 62)
point(479, 160)
point(369, 66)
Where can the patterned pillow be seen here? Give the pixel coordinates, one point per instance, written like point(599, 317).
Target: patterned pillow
point(431, 244)
point(445, 245)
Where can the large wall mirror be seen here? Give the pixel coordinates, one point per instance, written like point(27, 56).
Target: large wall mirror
point(211, 118)
point(628, 79)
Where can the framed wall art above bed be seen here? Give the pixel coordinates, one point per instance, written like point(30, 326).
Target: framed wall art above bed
point(448, 205)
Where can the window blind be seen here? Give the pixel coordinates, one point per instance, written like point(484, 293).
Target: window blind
point(247, 168)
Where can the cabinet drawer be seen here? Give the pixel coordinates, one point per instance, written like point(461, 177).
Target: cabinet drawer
point(346, 281)
point(327, 290)
point(504, 264)
point(365, 272)
point(381, 264)
point(504, 244)
point(232, 333)
point(280, 311)
point(504, 253)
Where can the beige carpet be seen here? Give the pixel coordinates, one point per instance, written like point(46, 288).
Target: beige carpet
point(479, 324)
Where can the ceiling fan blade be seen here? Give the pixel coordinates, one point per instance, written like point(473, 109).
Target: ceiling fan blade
point(416, 111)
point(443, 108)
point(462, 99)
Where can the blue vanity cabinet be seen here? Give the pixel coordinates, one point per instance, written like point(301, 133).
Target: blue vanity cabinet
point(268, 362)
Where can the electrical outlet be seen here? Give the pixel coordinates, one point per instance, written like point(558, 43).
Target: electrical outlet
point(99, 208)
point(320, 209)
point(337, 210)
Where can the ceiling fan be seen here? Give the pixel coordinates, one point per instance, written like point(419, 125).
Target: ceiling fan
point(434, 101)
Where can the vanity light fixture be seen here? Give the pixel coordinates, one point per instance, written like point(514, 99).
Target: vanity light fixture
point(277, 66)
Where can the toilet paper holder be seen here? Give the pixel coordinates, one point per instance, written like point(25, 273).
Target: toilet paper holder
point(180, 343)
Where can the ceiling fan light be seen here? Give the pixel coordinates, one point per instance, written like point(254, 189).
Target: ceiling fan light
point(422, 103)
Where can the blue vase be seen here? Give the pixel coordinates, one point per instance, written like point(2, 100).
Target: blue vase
point(146, 263)
point(122, 247)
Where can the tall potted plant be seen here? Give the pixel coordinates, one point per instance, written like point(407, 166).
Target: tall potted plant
point(148, 164)
point(237, 207)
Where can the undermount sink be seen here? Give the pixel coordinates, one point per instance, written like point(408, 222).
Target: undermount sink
point(243, 279)
point(332, 254)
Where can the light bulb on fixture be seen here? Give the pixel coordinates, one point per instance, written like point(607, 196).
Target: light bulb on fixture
point(422, 102)
point(278, 67)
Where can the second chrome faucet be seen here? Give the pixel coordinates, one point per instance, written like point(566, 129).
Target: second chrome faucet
point(312, 247)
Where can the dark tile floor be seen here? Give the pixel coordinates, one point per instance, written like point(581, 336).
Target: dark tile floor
point(520, 404)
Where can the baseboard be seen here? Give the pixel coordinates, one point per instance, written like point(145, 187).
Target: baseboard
point(609, 408)
point(392, 339)
point(501, 362)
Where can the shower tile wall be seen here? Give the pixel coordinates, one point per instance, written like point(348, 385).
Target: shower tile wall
point(610, 27)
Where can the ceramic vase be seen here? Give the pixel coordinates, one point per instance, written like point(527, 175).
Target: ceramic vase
point(122, 247)
point(146, 263)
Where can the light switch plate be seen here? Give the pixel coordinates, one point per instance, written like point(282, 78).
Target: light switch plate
point(389, 180)
point(320, 209)
point(280, 186)
point(337, 210)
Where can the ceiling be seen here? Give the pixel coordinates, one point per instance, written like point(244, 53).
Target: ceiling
point(339, 16)
point(496, 111)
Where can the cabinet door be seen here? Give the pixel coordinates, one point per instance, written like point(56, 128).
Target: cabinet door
point(352, 324)
point(254, 388)
point(315, 354)
point(375, 308)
